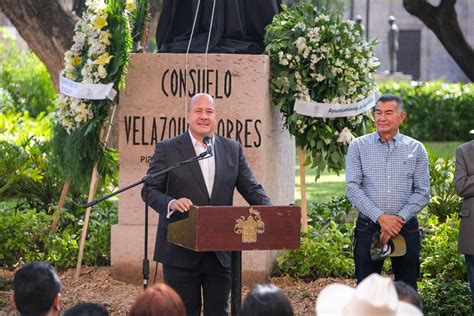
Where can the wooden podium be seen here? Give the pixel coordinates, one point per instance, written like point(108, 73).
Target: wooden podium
point(237, 228)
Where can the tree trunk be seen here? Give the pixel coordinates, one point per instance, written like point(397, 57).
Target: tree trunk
point(443, 21)
point(46, 26)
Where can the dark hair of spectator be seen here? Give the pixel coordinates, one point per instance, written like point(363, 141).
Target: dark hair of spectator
point(392, 97)
point(87, 309)
point(158, 300)
point(35, 286)
point(408, 294)
point(266, 299)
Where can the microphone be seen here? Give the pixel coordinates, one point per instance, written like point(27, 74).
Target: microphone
point(208, 141)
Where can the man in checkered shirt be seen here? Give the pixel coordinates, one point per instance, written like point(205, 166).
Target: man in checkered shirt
point(388, 181)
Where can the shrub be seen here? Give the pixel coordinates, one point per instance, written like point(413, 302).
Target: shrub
point(25, 81)
point(13, 165)
point(21, 237)
point(339, 210)
point(26, 237)
point(437, 111)
point(30, 173)
point(323, 253)
point(443, 201)
point(443, 296)
point(439, 255)
point(326, 249)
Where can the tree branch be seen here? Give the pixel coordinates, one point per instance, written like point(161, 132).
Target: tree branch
point(46, 26)
point(443, 21)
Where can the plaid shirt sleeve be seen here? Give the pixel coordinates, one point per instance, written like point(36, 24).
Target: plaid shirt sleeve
point(354, 191)
point(421, 187)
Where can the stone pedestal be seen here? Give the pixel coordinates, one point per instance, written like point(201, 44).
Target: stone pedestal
point(395, 77)
point(152, 108)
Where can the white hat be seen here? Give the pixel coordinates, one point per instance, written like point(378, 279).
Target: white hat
point(374, 296)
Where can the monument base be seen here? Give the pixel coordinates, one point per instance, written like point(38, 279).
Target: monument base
point(395, 77)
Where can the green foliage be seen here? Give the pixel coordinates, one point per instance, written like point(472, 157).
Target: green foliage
point(30, 174)
point(13, 165)
point(338, 210)
point(325, 252)
point(122, 41)
point(25, 84)
point(26, 237)
point(444, 200)
point(326, 249)
point(439, 255)
point(140, 17)
point(436, 110)
point(325, 59)
point(24, 163)
point(443, 296)
point(21, 236)
point(443, 149)
point(18, 127)
point(332, 7)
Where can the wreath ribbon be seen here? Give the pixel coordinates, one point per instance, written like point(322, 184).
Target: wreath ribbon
point(316, 109)
point(90, 91)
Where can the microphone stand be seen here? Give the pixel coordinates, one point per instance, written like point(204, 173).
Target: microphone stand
point(149, 177)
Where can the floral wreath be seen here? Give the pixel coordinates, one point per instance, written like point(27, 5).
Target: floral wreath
point(103, 41)
point(317, 57)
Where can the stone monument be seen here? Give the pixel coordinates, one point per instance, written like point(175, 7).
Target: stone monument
point(152, 108)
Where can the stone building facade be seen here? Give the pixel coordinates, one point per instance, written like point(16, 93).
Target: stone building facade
point(421, 54)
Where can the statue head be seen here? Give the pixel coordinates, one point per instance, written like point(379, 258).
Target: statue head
point(391, 19)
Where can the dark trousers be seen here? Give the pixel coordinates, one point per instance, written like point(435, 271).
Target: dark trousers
point(405, 268)
point(470, 273)
point(211, 276)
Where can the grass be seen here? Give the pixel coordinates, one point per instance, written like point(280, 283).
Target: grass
point(443, 149)
point(330, 184)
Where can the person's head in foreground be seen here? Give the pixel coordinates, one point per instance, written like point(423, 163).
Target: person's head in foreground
point(87, 309)
point(266, 299)
point(158, 300)
point(36, 290)
point(407, 293)
point(374, 296)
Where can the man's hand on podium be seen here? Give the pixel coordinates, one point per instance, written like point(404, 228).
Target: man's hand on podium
point(181, 205)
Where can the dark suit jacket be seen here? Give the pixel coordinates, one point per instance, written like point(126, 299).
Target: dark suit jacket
point(232, 171)
point(464, 185)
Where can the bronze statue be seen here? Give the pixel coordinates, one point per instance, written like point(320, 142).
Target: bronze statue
point(392, 44)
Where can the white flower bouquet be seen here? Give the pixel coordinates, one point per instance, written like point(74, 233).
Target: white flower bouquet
point(317, 57)
point(88, 61)
point(100, 53)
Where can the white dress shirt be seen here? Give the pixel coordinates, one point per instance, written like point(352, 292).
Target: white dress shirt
point(208, 167)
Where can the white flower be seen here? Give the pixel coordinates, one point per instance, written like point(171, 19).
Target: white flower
point(373, 62)
point(130, 5)
point(101, 72)
point(300, 43)
point(345, 136)
point(79, 38)
point(96, 5)
point(300, 26)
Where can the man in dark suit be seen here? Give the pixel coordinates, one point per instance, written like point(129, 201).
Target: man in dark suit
point(208, 182)
point(464, 185)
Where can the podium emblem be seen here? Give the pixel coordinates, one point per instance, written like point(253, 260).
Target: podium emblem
point(250, 227)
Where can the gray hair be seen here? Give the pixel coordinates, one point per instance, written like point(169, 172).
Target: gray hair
point(392, 97)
